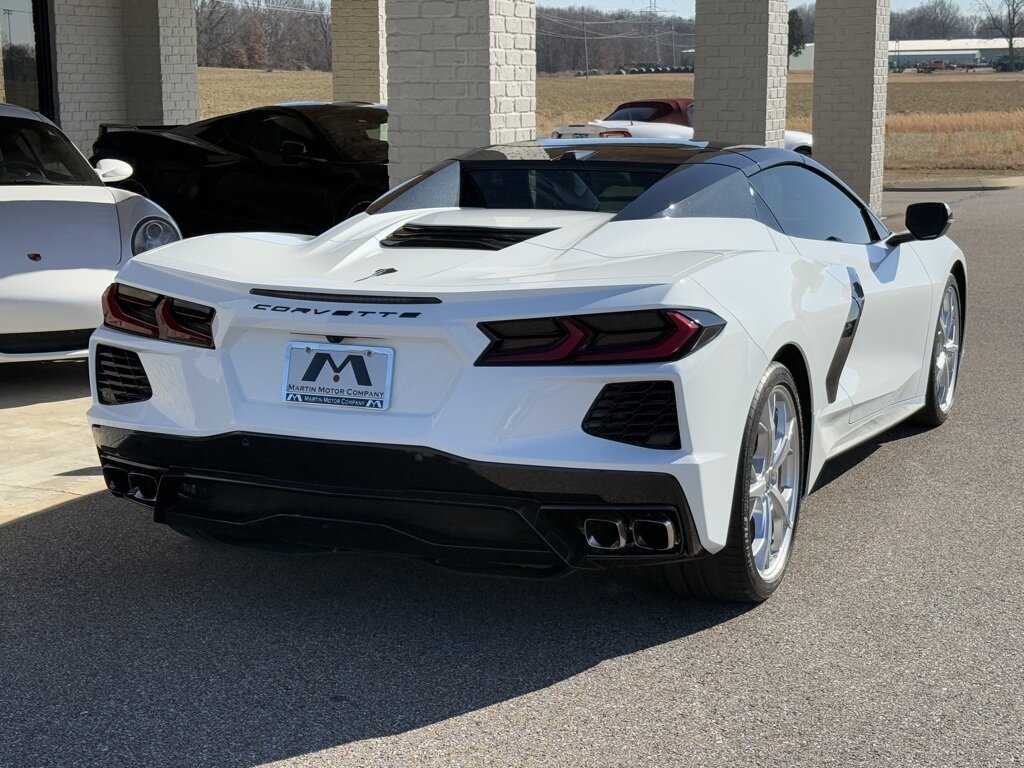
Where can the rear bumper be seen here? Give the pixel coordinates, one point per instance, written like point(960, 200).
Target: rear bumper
point(399, 499)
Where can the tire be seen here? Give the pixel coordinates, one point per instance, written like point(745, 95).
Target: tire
point(732, 574)
point(947, 346)
point(805, 151)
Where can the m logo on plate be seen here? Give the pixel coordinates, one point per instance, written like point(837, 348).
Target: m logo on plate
point(320, 359)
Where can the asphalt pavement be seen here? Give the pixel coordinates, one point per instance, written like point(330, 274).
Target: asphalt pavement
point(896, 640)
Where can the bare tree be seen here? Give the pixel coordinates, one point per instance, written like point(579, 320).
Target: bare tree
point(1005, 18)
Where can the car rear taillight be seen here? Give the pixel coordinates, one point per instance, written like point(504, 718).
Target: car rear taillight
point(646, 336)
point(615, 135)
point(145, 313)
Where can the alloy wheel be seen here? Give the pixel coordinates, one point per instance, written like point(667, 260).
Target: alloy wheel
point(774, 491)
point(947, 349)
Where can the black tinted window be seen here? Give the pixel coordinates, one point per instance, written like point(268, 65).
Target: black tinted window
point(701, 190)
point(359, 134)
point(641, 114)
point(809, 206)
point(555, 187)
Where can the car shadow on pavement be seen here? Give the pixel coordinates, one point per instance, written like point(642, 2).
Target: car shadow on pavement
point(844, 462)
point(124, 643)
point(24, 384)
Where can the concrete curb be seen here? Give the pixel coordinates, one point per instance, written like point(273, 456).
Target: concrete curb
point(976, 184)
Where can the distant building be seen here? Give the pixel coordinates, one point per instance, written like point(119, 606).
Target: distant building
point(908, 53)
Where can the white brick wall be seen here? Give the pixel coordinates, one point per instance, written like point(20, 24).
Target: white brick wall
point(358, 55)
point(461, 74)
point(851, 68)
point(740, 87)
point(124, 61)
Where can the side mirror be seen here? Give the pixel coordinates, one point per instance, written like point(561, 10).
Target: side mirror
point(112, 171)
point(292, 150)
point(925, 221)
point(928, 221)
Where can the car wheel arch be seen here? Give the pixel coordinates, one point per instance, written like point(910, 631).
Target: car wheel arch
point(959, 271)
point(791, 356)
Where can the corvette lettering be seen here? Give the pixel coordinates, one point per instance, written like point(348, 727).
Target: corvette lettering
point(334, 312)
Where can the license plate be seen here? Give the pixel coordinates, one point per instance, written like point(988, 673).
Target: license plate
point(338, 375)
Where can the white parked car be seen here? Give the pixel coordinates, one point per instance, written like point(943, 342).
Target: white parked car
point(548, 356)
point(657, 119)
point(63, 236)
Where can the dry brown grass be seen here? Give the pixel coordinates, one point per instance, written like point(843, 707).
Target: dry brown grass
point(929, 128)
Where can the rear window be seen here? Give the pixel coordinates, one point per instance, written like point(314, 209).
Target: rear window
point(644, 113)
point(562, 185)
point(555, 188)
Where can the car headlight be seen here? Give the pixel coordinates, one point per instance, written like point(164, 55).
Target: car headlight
point(152, 233)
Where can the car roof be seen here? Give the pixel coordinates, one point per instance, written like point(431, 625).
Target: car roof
point(13, 110)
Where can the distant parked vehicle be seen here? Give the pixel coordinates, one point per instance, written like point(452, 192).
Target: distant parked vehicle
point(298, 168)
point(1005, 64)
point(63, 236)
point(656, 119)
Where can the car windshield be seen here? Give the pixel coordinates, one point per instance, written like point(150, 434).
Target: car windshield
point(33, 152)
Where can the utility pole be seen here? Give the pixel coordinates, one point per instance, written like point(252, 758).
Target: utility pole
point(586, 45)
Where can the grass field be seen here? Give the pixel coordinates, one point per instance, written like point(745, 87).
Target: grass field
point(948, 124)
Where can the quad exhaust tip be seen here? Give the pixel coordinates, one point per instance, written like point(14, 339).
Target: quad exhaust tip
point(608, 534)
point(657, 534)
point(605, 533)
point(142, 487)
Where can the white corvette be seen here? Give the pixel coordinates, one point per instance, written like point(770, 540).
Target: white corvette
point(63, 235)
point(543, 356)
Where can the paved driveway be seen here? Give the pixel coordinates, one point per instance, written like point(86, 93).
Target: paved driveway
point(897, 639)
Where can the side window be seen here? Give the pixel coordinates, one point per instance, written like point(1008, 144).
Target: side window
point(810, 206)
point(268, 134)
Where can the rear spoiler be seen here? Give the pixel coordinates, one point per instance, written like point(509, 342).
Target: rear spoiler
point(118, 127)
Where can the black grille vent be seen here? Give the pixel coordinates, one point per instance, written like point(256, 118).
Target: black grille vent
point(120, 377)
point(475, 238)
point(638, 412)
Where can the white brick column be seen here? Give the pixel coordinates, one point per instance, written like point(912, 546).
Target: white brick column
point(160, 61)
point(3, 93)
point(461, 74)
point(358, 53)
point(851, 70)
point(740, 65)
point(124, 61)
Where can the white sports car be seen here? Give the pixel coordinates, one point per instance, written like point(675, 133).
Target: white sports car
point(543, 356)
point(63, 235)
point(667, 119)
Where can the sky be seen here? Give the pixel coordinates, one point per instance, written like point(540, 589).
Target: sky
point(685, 7)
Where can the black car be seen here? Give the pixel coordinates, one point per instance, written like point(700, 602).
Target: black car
point(291, 168)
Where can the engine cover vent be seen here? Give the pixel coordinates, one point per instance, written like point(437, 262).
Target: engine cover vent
point(473, 238)
point(637, 412)
point(120, 377)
